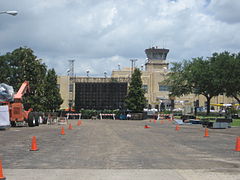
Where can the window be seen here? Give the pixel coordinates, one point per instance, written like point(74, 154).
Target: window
point(163, 88)
point(145, 88)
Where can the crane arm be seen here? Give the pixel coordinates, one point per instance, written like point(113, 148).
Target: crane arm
point(22, 90)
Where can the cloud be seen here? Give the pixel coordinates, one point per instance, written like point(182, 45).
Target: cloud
point(225, 10)
point(101, 34)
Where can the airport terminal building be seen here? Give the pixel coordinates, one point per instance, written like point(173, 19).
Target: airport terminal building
point(109, 92)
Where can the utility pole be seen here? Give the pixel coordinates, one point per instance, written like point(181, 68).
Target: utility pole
point(133, 62)
point(71, 82)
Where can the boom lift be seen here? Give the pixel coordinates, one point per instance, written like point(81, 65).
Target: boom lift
point(16, 109)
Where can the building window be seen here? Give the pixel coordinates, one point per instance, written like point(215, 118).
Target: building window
point(145, 88)
point(163, 88)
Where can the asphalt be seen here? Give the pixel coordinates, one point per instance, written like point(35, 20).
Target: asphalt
point(122, 149)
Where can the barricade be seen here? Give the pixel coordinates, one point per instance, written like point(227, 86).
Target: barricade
point(107, 115)
point(74, 114)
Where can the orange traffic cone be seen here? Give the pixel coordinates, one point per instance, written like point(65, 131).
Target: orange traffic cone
point(206, 133)
point(34, 144)
point(62, 131)
point(79, 123)
point(146, 126)
point(237, 144)
point(177, 127)
point(1, 172)
point(70, 126)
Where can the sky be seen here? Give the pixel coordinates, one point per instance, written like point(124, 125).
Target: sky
point(99, 35)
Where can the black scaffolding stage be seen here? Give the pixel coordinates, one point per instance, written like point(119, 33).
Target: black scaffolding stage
point(100, 95)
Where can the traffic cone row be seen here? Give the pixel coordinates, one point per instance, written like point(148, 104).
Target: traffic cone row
point(34, 140)
point(35, 148)
point(206, 134)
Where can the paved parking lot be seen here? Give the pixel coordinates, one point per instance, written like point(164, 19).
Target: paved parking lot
point(109, 147)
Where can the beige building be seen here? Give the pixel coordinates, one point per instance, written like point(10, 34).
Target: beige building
point(156, 69)
point(153, 75)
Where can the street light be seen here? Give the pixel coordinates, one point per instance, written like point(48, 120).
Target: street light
point(119, 66)
point(87, 71)
point(13, 13)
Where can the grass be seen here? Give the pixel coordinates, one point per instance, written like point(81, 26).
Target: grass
point(236, 122)
point(213, 117)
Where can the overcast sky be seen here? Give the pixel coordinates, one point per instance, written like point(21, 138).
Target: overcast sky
point(100, 34)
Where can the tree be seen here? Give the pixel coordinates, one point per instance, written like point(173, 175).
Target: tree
point(201, 75)
point(227, 67)
point(135, 100)
point(22, 65)
point(196, 76)
point(4, 69)
point(177, 81)
point(52, 100)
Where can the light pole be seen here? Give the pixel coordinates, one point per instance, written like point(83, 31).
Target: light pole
point(87, 71)
point(119, 66)
point(105, 74)
point(13, 13)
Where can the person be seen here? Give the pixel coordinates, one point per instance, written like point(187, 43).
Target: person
point(128, 116)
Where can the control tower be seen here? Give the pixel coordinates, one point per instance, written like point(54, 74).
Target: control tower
point(156, 59)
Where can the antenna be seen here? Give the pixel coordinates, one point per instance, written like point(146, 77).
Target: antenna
point(164, 44)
